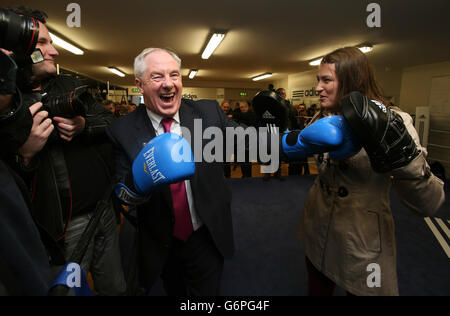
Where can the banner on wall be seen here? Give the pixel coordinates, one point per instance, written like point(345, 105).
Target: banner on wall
point(191, 96)
point(305, 96)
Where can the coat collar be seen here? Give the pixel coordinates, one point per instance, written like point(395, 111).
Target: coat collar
point(187, 115)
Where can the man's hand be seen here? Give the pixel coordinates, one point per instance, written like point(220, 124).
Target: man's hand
point(40, 131)
point(69, 128)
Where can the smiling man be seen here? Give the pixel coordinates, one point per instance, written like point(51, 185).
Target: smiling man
point(160, 82)
point(184, 233)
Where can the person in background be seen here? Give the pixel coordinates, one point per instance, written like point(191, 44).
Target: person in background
point(132, 107)
point(248, 118)
point(226, 108)
point(236, 108)
point(303, 166)
point(124, 109)
point(294, 167)
point(109, 105)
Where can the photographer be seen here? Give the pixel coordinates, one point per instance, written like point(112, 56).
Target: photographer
point(70, 171)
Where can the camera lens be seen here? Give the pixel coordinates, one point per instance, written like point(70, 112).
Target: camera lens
point(18, 33)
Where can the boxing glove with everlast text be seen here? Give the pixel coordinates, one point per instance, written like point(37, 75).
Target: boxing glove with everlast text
point(166, 159)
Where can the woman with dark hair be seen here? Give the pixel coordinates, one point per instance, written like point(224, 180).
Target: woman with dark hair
point(346, 227)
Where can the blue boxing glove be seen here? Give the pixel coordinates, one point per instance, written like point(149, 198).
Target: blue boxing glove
point(329, 134)
point(166, 159)
point(350, 145)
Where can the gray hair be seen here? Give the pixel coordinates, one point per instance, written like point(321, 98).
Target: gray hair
point(139, 62)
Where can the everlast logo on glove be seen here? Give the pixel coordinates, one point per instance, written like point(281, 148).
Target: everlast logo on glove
point(150, 166)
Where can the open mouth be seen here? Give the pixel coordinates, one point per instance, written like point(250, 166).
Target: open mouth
point(167, 98)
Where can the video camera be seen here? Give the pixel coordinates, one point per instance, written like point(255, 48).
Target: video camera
point(20, 34)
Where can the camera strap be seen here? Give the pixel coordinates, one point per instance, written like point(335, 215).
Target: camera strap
point(104, 205)
point(62, 180)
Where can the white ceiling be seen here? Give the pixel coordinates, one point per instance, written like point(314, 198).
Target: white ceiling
point(263, 36)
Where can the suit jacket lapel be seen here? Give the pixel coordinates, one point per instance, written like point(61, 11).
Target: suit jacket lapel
point(187, 117)
point(143, 127)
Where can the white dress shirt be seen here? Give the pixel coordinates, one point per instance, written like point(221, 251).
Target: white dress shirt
point(176, 129)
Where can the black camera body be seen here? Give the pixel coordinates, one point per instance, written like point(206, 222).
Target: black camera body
point(66, 105)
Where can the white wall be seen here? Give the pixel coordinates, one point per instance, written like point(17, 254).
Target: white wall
point(416, 84)
point(282, 83)
point(389, 80)
point(429, 85)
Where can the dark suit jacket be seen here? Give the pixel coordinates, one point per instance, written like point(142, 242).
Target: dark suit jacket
point(212, 197)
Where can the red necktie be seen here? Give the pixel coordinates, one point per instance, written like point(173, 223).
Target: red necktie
point(183, 224)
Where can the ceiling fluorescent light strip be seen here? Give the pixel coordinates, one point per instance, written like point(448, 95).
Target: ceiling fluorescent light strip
point(62, 43)
point(315, 62)
point(192, 73)
point(214, 41)
point(365, 49)
point(263, 76)
point(116, 71)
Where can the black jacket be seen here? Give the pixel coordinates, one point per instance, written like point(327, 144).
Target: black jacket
point(69, 177)
point(248, 118)
point(293, 123)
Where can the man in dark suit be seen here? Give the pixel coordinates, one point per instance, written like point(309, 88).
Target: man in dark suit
point(192, 265)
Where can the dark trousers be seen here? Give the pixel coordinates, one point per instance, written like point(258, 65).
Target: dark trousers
point(246, 168)
point(318, 283)
point(227, 169)
point(193, 268)
point(296, 168)
point(304, 166)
